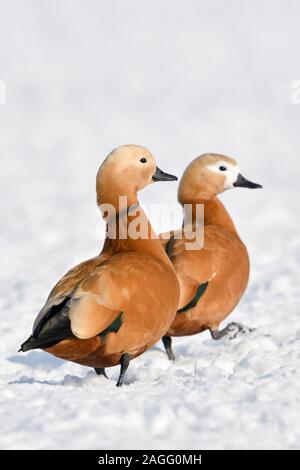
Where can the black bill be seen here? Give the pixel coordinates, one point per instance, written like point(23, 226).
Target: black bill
point(160, 175)
point(242, 182)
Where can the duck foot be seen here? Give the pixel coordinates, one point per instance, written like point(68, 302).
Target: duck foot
point(125, 360)
point(167, 340)
point(100, 371)
point(232, 330)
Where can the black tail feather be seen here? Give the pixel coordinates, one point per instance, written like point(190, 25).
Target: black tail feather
point(56, 327)
point(42, 342)
point(26, 346)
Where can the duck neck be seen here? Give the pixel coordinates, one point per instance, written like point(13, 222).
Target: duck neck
point(214, 213)
point(129, 230)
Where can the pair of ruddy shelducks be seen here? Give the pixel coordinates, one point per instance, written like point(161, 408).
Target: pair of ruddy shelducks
point(112, 308)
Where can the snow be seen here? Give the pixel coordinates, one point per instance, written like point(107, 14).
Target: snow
point(182, 79)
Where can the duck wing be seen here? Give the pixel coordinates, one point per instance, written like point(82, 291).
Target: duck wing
point(53, 322)
point(202, 259)
point(197, 265)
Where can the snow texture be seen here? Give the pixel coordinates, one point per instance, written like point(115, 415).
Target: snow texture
point(182, 78)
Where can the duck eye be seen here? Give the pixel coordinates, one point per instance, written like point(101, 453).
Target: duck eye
point(222, 168)
point(143, 160)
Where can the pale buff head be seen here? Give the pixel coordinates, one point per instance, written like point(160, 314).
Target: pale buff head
point(125, 171)
point(208, 175)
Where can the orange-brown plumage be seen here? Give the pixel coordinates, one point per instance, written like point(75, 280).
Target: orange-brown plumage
point(221, 265)
point(129, 283)
point(122, 301)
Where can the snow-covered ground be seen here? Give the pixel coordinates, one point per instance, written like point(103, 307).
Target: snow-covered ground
point(182, 78)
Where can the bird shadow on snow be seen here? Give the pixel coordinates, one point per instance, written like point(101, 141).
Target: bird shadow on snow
point(72, 381)
point(40, 362)
point(37, 359)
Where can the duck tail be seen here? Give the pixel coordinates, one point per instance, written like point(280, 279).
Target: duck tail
point(28, 344)
point(43, 341)
point(38, 343)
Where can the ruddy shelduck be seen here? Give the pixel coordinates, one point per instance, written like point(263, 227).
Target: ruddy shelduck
point(213, 277)
point(110, 309)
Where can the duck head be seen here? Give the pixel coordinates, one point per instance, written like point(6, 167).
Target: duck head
point(211, 174)
point(125, 171)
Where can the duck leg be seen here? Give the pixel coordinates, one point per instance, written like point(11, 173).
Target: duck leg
point(100, 371)
point(231, 330)
point(167, 340)
point(125, 360)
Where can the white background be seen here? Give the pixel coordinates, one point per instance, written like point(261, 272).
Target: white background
point(182, 78)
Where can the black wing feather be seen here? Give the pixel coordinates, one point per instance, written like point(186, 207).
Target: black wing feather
point(53, 328)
